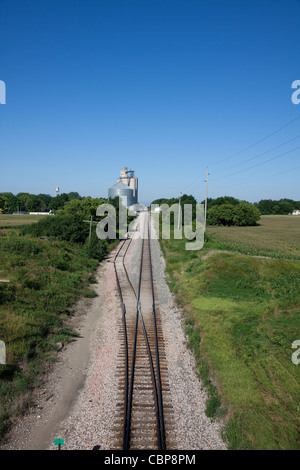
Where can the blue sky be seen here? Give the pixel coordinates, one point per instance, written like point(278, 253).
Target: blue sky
point(164, 87)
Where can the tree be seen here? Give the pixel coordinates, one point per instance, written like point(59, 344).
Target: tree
point(221, 215)
point(23, 200)
point(12, 205)
point(3, 204)
point(44, 202)
point(219, 201)
point(282, 206)
point(245, 214)
point(241, 214)
point(86, 206)
point(58, 201)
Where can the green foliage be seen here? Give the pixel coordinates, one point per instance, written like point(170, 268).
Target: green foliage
point(11, 201)
point(280, 207)
point(265, 206)
point(219, 201)
point(184, 200)
point(35, 202)
point(63, 227)
point(20, 246)
point(221, 215)
point(86, 207)
point(96, 248)
point(71, 224)
point(3, 204)
point(213, 405)
point(240, 214)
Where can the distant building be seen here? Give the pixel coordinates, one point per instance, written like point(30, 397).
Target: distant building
point(296, 212)
point(40, 213)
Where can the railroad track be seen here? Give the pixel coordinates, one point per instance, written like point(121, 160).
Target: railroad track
point(144, 410)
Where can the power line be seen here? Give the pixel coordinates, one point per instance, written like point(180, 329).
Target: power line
point(257, 142)
point(257, 156)
point(260, 155)
point(278, 174)
point(265, 177)
point(261, 163)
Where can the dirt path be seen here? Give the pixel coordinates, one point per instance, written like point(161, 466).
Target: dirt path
point(61, 385)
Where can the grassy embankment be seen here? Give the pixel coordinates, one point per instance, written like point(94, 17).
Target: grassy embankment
point(241, 296)
point(46, 277)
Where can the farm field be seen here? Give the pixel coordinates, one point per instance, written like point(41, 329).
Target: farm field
point(10, 220)
point(241, 299)
point(276, 236)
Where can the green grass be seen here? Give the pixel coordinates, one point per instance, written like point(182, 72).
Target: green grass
point(46, 278)
point(242, 316)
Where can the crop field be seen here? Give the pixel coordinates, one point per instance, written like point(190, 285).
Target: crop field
point(7, 221)
point(276, 236)
point(241, 298)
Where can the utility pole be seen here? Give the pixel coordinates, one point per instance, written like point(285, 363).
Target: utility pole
point(179, 211)
point(90, 234)
point(206, 199)
point(91, 222)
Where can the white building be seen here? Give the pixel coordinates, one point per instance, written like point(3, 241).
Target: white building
point(296, 212)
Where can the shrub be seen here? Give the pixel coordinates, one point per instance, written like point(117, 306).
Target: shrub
point(241, 214)
point(63, 227)
point(19, 246)
point(96, 248)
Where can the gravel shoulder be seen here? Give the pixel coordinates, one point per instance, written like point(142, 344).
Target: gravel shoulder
point(77, 401)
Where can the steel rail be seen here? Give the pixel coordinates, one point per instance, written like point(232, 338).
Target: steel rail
point(157, 388)
point(160, 395)
point(125, 338)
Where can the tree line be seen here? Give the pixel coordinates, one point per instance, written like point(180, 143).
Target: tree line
point(280, 207)
point(265, 206)
point(26, 202)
